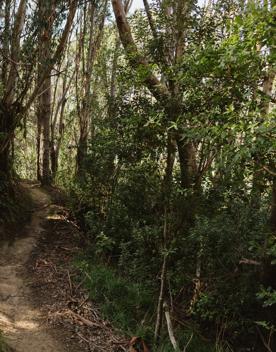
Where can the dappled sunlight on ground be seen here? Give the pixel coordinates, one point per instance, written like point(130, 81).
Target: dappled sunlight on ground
point(23, 326)
point(55, 217)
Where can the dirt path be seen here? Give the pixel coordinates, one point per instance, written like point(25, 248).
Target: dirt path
point(21, 323)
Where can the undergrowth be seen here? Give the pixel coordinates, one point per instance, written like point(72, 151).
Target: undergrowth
point(126, 304)
point(130, 306)
point(3, 345)
point(15, 203)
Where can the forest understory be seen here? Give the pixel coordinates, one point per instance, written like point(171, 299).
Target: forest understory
point(44, 306)
point(138, 175)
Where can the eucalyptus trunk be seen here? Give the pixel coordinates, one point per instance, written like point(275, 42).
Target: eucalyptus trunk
point(94, 21)
point(44, 100)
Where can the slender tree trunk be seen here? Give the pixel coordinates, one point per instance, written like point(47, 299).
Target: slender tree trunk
point(44, 101)
point(9, 88)
point(88, 60)
point(56, 137)
point(258, 182)
point(187, 161)
point(273, 208)
point(6, 34)
point(5, 161)
point(46, 111)
point(8, 112)
point(38, 145)
point(159, 314)
point(12, 113)
point(167, 182)
point(87, 64)
point(7, 117)
point(186, 151)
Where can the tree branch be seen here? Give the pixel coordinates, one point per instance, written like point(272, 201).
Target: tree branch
point(57, 55)
point(150, 19)
point(136, 59)
point(15, 49)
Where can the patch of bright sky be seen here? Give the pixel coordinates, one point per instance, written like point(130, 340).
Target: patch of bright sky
point(138, 4)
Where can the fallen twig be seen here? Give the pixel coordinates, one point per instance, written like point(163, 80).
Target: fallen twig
point(82, 337)
point(189, 341)
point(70, 283)
point(169, 326)
point(85, 321)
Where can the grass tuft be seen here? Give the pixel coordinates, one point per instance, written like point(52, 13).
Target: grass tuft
point(130, 306)
point(124, 303)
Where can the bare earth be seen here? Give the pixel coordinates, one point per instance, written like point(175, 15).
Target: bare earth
point(22, 324)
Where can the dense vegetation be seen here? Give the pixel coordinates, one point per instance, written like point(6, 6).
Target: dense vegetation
point(160, 125)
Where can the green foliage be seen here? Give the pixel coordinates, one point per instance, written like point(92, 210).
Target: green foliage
point(119, 200)
point(129, 305)
point(3, 345)
point(6, 201)
point(218, 225)
point(122, 301)
point(267, 296)
point(15, 203)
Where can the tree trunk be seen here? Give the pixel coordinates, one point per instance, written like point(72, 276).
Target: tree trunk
point(88, 60)
point(81, 152)
point(273, 208)
point(44, 102)
point(9, 78)
point(6, 34)
point(187, 161)
point(186, 151)
point(46, 111)
point(167, 182)
point(6, 136)
point(12, 113)
point(136, 59)
point(38, 146)
point(5, 162)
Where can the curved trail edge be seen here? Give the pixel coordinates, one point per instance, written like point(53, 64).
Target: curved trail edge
point(21, 323)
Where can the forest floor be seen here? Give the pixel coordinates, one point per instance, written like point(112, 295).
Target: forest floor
point(42, 305)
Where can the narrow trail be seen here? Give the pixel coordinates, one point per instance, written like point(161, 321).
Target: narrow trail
point(22, 324)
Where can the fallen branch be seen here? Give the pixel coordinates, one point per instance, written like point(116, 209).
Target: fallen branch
point(249, 261)
point(189, 341)
point(70, 283)
point(84, 320)
point(170, 327)
point(83, 338)
point(83, 301)
point(266, 344)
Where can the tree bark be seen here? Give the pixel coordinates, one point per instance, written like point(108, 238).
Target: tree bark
point(5, 169)
point(167, 182)
point(186, 151)
point(44, 100)
point(136, 59)
point(11, 111)
point(84, 113)
point(273, 208)
point(7, 110)
point(187, 161)
point(55, 58)
point(15, 51)
point(6, 34)
point(57, 122)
